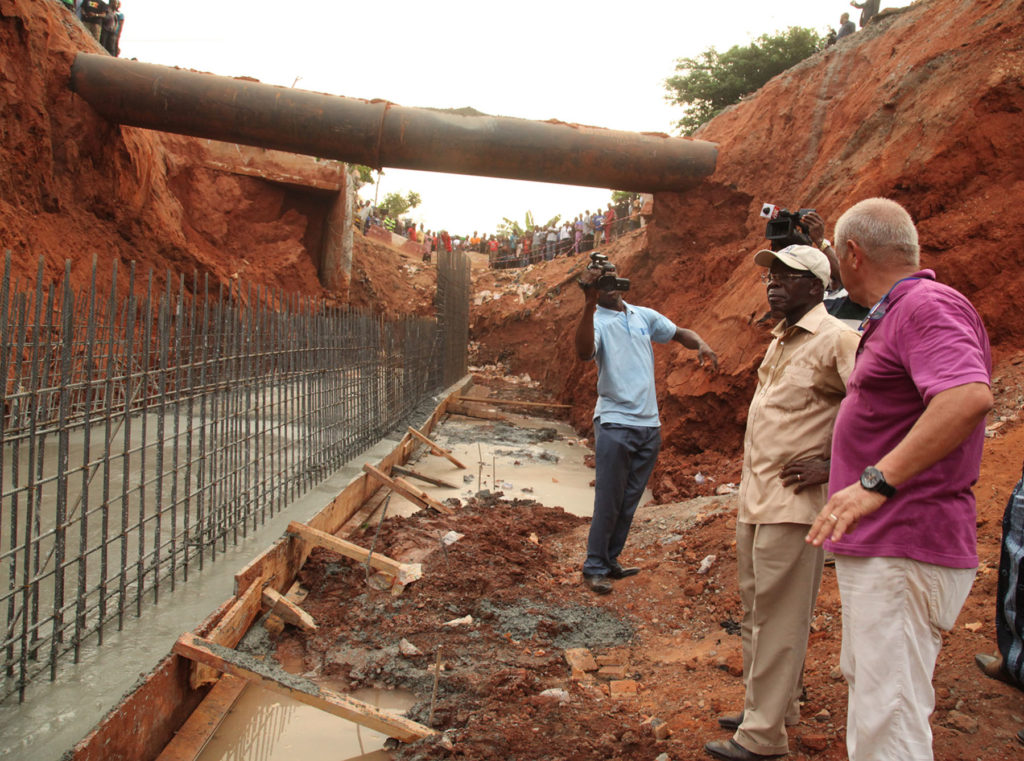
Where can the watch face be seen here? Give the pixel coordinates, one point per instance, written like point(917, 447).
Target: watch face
point(870, 478)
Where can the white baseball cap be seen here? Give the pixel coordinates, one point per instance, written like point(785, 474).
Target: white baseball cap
point(799, 258)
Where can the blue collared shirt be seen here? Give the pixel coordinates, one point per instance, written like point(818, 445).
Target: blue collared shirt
point(625, 363)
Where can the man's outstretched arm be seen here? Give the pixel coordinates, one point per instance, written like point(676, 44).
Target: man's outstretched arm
point(691, 340)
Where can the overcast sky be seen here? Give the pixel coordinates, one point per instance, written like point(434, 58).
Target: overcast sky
point(596, 63)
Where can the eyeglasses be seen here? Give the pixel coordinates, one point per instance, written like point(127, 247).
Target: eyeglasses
point(782, 277)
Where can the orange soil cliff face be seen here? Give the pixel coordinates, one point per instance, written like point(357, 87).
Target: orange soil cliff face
point(923, 106)
point(72, 186)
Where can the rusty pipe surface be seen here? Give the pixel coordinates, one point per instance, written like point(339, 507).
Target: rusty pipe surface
point(381, 134)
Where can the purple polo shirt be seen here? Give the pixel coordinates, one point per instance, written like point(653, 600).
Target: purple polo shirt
point(928, 340)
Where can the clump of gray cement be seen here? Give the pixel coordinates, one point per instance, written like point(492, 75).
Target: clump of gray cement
point(566, 627)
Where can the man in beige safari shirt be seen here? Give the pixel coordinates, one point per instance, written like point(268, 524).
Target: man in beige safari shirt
point(801, 382)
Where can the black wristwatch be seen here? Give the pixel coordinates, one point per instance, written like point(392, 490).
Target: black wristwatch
point(873, 480)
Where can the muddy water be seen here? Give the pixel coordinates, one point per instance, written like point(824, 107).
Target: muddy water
point(265, 726)
point(527, 458)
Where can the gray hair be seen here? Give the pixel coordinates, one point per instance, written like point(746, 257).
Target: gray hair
point(883, 229)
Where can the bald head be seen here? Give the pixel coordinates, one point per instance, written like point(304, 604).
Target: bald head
point(883, 229)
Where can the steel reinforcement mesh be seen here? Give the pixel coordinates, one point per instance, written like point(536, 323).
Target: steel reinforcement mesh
point(140, 435)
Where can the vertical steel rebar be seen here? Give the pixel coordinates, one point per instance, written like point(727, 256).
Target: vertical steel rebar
point(22, 312)
point(5, 410)
point(108, 425)
point(63, 445)
point(145, 363)
point(178, 315)
point(163, 341)
point(83, 524)
point(126, 449)
point(190, 353)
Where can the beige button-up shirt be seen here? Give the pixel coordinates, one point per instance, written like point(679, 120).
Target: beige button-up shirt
point(800, 383)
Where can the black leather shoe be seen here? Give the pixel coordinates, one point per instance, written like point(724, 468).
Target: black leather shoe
point(730, 720)
point(730, 750)
point(618, 572)
point(994, 667)
point(597, 583)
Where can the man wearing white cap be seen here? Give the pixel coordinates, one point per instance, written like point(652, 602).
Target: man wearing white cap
point(786, 451)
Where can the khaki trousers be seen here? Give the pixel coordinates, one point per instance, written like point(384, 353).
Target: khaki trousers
point(779, 576)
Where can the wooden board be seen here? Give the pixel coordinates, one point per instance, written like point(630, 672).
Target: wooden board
point(422, 477)
point(435, 449)
point(407, 490)
point(316, 538)
point(188, 743)
point(288, 611)
point(274, 623)
point(230, 630)
point(475, 410)
point(303, 690)
point(513, 402)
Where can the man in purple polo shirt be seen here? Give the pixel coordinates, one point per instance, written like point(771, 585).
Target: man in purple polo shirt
point(905, 453)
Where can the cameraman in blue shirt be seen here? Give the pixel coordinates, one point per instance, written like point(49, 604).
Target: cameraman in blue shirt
point(627, 429)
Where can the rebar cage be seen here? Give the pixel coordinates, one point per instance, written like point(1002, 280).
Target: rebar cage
point(141, 434)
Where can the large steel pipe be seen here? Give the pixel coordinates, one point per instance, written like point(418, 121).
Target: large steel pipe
point(381, 134)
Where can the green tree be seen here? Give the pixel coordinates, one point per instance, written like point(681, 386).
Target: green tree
point(395, 204)
point(705, 85)
point(364, 175)
point(512, 226)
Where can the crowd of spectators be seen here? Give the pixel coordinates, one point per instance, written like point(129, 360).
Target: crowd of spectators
point(102, 18)
point(514, 248)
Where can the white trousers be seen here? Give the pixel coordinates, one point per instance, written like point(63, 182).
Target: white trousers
point(893, 612)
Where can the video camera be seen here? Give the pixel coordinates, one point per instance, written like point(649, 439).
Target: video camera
point(607, 281)
point(781, 222)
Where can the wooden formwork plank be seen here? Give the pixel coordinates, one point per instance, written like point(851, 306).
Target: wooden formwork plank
point(407, 490)
point(422, 477)
point(274, 623)
point(288, 611)
point(366, 512)
point(475, 410)
point(188, 742)
point(316, 538)
point(278, 566)
point(230, 630)
point(512, 402)
point(303, 690)
point(436, 449)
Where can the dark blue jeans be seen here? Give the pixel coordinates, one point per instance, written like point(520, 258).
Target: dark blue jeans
point(625, 457)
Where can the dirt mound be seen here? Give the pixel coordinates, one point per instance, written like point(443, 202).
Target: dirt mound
point(923, 106)
point(73, 186)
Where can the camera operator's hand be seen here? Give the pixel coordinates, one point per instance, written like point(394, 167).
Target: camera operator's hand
point(815, 227)
point(705, 353)
point(588, 281)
